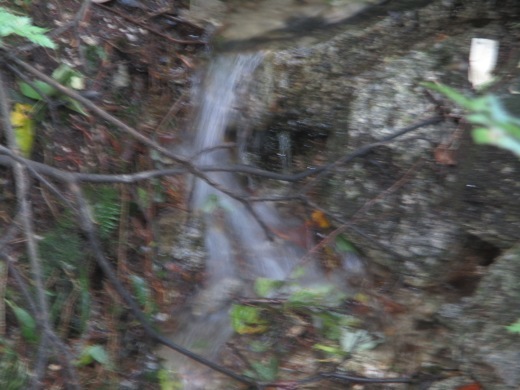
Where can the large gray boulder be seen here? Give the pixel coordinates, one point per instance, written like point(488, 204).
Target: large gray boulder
point(441, 200)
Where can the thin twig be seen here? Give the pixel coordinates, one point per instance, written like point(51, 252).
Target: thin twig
point(174, 109)
point(42, 358)
point(345, 378)
point(3, 289)
point(235, 168)
point(323, 171)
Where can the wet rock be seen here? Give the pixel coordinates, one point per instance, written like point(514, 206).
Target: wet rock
point(254, 23)
point(489, 352)
point(431, 215)
point(180, 239)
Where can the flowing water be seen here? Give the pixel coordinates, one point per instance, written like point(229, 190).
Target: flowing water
point(238, 249)
point(231, 229)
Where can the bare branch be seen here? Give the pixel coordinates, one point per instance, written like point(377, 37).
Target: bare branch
point(88, 227)
point(322, 171)
point(26, 219)
point(192, 168)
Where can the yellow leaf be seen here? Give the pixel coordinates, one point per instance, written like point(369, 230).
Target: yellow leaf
point(320, 219)
point(23, 128)
point(253, 329)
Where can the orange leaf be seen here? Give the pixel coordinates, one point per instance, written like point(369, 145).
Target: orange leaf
point(319, 219)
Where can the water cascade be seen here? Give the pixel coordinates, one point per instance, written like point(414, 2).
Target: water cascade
point(227, 219)
point(238, 249)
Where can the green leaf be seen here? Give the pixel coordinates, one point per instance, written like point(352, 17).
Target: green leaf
point(141, 289)
point(264, 286)
point(326, 295)
point(143, 293)
point(509, 143)
point(74, 105)
point(331, 350)
point(344, 246)
point(64, 73)
point(26, 322)
point(497, 137)
point(14, 373)
point(22, 26)
point(480, 104)
point(356, 340)
point(514, 327)
point(168, 381)
point(481, 136)
point(94, 353)
point(331, 324)
point(106, 207)
point(266, 372)
point(497, 126)
point(42, 86)
point(247, 319)
point(479, 119)
point(452, 94)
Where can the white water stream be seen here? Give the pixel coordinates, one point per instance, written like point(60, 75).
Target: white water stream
point(238, 250)
point(228, 223)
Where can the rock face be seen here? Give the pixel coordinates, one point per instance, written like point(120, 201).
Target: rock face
point(247, 23)
point(443, 204)
point(490, 353)
point(431, 206)
point(436, 209)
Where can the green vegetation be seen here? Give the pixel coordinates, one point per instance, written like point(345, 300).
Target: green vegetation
point(63, 74)
point(248, 320)
point(493, 124)
point(317, 309)
point(514, 327)
point(14, 373)
point(106, 206)
point(143, 293)
point(11, 24)
point(94, 353)
point(26, 322)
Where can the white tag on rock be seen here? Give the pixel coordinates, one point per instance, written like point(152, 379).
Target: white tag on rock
point(482, 61)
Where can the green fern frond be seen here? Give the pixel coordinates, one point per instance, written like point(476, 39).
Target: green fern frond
point(106, 207)
point(23, 27)
point(13, 371)
point(61, 249)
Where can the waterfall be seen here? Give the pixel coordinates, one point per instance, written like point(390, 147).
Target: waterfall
point(231, 229)
point(238, 250)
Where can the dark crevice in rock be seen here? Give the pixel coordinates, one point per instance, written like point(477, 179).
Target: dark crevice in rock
point(475, 255)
